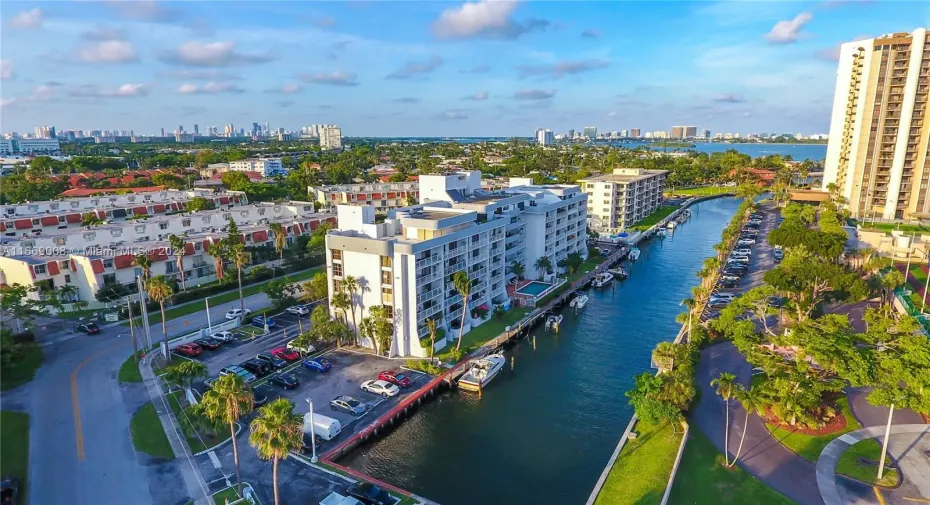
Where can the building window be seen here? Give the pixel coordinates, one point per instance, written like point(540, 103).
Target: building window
point(64, 265)
point(162, 226)
point(337, 254)
point(387, 296)
point(386, 261)
point(337, 286)
point(67, 278)
point(386, 278)
point(140, 228)
point(108, 263)
point(109, 278)
point(337, 269)
point(60, 240)
point(40, 269)
point(185, 222)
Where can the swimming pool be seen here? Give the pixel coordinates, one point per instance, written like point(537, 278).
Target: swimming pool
point(534, 288)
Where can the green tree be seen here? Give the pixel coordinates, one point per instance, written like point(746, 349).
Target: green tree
point(183, 375)
point(317, 288)
point(809, 280)
point(275, 433)
point(280, 238)
point(646, 401)
point(517, 269)
point(160, 289)
point(236, 181)
point(198, 203)
point(227, 401)
point(280, 292)
point(142, 263)
point(382, 328)
point(462, 284)
point(724, 384)
point(752, 402)
point(218, 251)
point(543, 265)
point(351, 285)
point(241, 258)
point(178, 245)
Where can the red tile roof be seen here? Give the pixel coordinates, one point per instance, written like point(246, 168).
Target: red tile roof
point(76, 192)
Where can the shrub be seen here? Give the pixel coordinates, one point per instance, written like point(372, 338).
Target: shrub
point(423, 366)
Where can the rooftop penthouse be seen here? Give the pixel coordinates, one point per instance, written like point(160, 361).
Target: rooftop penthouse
point(382, 196)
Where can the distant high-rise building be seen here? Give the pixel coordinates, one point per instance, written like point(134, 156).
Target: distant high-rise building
point(678, 132)
point(196, 130)
point(705, 134)
point(544, 137)
point(877, 153)
point(181, 128)
point(45, 132)
point(571, 133)
point(162, 132)
point(624, 133)
point(256, 129)
point(635, 133)
point(590, 132)
point(689, 132)
point(229, 130)
point(330, 137)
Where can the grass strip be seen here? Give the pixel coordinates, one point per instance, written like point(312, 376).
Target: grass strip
point(24, 369)
point(198, 442)
point(640, 474)
point(148, 435)
point(861, 463)
point(229, 493)
point(14, 457)
point(649, 221)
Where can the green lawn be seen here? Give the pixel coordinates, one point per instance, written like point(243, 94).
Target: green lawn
point(809, 447)
point(488, 330)
point(702, 191)
point(647, 222)
point(230, 493)
point(198, 442)
point(888, 227)
point(850, 465)
point(703, 479)
point(640, 474)
point(22, 371)
point(217, 300)
point(589, 264)
point(14, 441)
point(148, 435)
point(129, 370)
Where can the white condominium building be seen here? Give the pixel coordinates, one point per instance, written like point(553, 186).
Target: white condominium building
point(382, 196)
point(268, 167)
point(330, 137)
point(877, 154)
point(407, 262)
point(28, 146)
point(618, 200)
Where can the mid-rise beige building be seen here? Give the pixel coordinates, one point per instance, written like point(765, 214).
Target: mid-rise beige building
point(618, 200)
point(878, 150)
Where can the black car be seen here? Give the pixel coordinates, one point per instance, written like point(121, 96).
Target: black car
point(729, 282)
point(257, 367)
point(777, 301)
point(274, 361)
point(88, 328)
point(306, 448)
point(263, 395)
point(9, 491)
point(285, 380)
point(369, 493)
point(208, 343)
point(735, 271)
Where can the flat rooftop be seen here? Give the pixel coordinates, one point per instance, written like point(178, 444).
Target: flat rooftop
point(626, 175)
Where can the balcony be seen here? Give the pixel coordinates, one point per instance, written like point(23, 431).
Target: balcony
point(426, 279)
point(429, 261)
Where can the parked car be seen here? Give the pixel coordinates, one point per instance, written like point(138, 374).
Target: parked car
point(285, 354)
point(395, 377)
point(189, 350)
point(753, 225)
point(729, 281)
point(88, 328)
point(380, 387)
point(746, 242)
point(234, 313)
point(745, 251)
point(262, 395)
point(777, 301)
point(734, 272)
point(9, 490)
point(224, 336)
point(272, 360)
point(369, 494)
point(778, 255)
point(238, 370)
point(298, 310)
point(293, 346)
point(347, 404)
point(756, 215)
point(318, 364)
point(208, 343)
point(261, 320)
point(258, 367)
point(306, 446)
point(285, 380)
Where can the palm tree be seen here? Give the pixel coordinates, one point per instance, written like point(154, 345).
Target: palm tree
point(431, 326)
point(692, 304)
point(177, 245)
point(142, 262)
point(342, 302)
point(543, 264)
point(160, 289)
point(462, 284)
point(218, 251)
point(350, 286)
point(241, 258)
point(228, 400)
point(517, 269)
point(725, 388)
point(184, 374)
point(280, 238)
point(752, 402)
point(275, 433)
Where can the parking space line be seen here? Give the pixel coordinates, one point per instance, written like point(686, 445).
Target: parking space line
point(215, 460)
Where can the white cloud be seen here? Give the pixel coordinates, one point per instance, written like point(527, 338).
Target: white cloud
point(123, 91)
point(105, 33)
point(108, 51)
point(787, 32)
point(562, 68)
point(478, 97)
point(6, 69)
point(212, 54)
point(416, 68)
point(454, 114)
point(209, 88)
point(27, 20)
point(145, 10)
point(201, 75)
point(534, 94)
point(337, 78)
point(287, 89)
point(485, 18)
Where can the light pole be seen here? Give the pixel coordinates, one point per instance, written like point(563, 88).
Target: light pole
point(313, 459)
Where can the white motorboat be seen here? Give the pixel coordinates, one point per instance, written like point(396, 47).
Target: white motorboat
point(579, 301)
point(552, 323)
point(482, 371)
point(671, 225)
point(634, 254)
point(602, 279)
point(686, 213)
point(661, 233)
point(619, 273)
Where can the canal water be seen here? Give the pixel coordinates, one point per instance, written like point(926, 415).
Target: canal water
point(543, 433)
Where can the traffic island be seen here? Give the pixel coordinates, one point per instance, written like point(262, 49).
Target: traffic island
point(860, 462)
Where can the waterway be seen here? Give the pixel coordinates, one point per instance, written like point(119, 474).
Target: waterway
point(542, 433)
point(798, 152)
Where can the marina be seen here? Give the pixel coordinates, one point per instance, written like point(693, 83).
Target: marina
point(556, 408)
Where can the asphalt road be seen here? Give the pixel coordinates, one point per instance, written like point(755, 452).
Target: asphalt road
point(192, 322)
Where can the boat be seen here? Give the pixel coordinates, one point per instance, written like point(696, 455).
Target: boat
point(619, 273)
point(482, 371)
point(634, 254)
point(671, 225)
point(602, 279)
point(686, 213)
point(579, 301)
point(552, 323)
point(661, 233)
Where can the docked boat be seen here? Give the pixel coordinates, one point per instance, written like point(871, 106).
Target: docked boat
point(602, 279)
point(661, 233)
point(579, 301)
point(671, 225)
point(634, 254)
point(552, 323)
point(619, 273)
point(686, 213)
point(482, 371)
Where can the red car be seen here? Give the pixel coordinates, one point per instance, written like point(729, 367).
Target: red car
point(395, 377)
point(189, 349)
point(285, 354)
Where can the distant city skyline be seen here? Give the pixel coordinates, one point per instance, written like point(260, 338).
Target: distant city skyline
point(485, 68)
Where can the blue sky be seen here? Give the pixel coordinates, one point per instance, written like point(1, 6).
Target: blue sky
point(385, 68)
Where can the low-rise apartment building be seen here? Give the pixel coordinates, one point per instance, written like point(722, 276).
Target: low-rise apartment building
point(90, 257)
point(28, 146)
point(268, 167)
point(620, 199)
point(381, 196)
point(408, 262)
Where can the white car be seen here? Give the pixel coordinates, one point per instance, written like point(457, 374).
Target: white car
point(225, 336)
point(746, 241)
point(236, 313)
point(380, 387)
point(744, 251)
point(292, 346)
point(298, 310)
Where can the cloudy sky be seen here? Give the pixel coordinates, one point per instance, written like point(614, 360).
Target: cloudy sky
point(386, 68)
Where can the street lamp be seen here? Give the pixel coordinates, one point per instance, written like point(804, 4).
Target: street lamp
point(313, 459)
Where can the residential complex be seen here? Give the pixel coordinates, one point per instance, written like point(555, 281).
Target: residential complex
point(618, 200)
point(37, 252)
point(267, 167)
point(28, 146)
point(330, 137)
point(877, 154)
point(407, 262)
point(382, 197)
point(544, 137)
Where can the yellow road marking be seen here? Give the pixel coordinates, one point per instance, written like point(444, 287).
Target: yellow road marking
point(878, 494)
point(76, 402)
